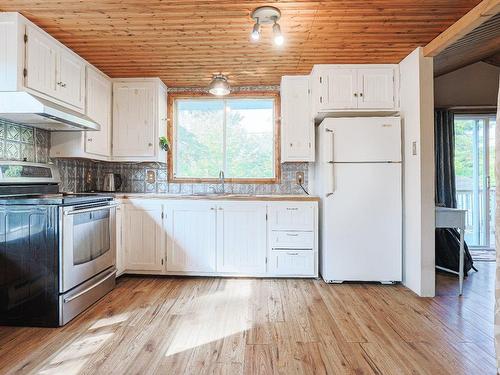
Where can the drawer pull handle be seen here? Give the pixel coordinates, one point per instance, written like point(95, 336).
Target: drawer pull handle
point(292, 253)
point(292, 208)
point(292, 234)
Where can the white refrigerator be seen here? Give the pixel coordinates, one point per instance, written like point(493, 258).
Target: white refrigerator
point(358, 177)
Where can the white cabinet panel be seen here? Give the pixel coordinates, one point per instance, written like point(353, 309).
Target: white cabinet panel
point(191, 236)
point(291, 239)
point(291, 216)
point(70, 85)
point(41, 62)
point(143, 237)
point(292, 263)
point(341, 89)
point(241, 237)
point(376, 88)
point(98, 108)
point(297, 127)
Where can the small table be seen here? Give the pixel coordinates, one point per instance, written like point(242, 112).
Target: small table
point(453, 218)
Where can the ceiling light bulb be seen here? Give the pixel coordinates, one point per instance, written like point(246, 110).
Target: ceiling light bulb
point(278, 37)
point(256, 31)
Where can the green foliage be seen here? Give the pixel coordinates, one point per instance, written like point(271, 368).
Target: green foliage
point(200, 151)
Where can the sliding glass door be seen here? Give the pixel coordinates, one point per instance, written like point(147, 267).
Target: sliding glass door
point(475, 176)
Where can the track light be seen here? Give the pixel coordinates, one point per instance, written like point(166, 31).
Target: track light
point(278, 37)
point(267, 15)
point(256, 31)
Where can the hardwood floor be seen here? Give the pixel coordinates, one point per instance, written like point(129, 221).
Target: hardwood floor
point(232, 326)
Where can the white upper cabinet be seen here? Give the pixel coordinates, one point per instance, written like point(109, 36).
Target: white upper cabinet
point(138, 119)
point(297, 126)
point(98, 108)
point(354, 88)
point(241, 237)
point(340, 88)
point(376, 88)
point(52, 70)
point(41, 62)
point(191, 231)
point(89, 144)
point(70, 85)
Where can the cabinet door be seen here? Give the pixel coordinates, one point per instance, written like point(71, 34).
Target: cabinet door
point(71, 79)
point(297, 127)
point(291, 216)
point(41, 62)
point(143, 237)
point(98, 108)
point(241, 237)
point(342, 93)
point(376, 88)
point(133, 119)
point(191, 236)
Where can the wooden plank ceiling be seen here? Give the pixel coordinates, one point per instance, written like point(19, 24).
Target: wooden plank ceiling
point(185, 41)
point(481, 44)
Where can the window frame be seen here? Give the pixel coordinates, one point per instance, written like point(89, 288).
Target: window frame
point(250, 95)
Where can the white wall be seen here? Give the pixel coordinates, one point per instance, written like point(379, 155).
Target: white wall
point(417, 112)
point(473, 85)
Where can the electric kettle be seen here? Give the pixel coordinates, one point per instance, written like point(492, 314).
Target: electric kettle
point(112, 182)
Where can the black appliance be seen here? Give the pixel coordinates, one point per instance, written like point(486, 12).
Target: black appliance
point(57, 250)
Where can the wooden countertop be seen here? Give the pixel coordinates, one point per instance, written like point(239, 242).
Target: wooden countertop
point(236, 197)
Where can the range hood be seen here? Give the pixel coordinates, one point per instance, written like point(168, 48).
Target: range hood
point(27, 109)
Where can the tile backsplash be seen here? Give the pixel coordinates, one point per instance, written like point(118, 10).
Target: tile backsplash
point(19, 142)
point(80, 175)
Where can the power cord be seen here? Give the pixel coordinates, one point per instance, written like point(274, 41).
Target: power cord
point(302, 186)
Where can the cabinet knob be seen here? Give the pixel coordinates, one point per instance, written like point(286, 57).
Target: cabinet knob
point(89, 140)
point(212, 208)
point(63, 84)
point(59, 83)
point(356, 94)
point(291, 144)
point(360, 94)
point(220, 209)
point(150, 144)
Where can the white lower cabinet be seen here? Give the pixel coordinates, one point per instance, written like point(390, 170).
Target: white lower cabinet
point(241, 237)
point(218, 238)
point(190, 233)
point(143, 236)
point(290, 262)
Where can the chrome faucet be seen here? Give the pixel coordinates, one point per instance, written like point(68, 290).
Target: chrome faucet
point(221, 180)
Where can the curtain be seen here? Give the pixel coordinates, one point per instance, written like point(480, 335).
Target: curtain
point(444, 138)
point(447, 239)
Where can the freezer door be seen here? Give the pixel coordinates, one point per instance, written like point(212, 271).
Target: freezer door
point(363, 224)
point(356, 139)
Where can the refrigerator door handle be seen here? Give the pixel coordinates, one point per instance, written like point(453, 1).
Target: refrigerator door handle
point(331, 178)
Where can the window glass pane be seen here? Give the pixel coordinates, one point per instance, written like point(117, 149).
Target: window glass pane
point(199, 141)
point(249, 138)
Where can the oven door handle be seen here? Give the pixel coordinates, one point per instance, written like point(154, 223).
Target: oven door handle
point(74, 212)
point(79, 294)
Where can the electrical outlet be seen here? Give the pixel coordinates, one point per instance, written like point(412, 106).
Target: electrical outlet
point(150, 176)
point(299, 178)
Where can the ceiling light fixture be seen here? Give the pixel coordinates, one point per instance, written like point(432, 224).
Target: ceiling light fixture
point(267, 15)
point(219, 85)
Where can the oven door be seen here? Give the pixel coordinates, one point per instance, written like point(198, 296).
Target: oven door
point(87, 243)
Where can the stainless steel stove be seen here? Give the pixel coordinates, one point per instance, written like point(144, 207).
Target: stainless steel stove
point(57, 250)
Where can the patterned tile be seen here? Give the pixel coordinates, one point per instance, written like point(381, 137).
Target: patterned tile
point(26, 135)
point(27, 152)
point(12, 150)
point(13, 132)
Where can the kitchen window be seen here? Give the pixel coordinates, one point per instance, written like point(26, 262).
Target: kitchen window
point(235, 135)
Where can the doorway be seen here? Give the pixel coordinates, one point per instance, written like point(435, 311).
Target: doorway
point(475, 178)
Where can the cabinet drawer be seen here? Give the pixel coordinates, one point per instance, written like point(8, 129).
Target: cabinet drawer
point(292, 262)
point(291, 216)
point(292, 240)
